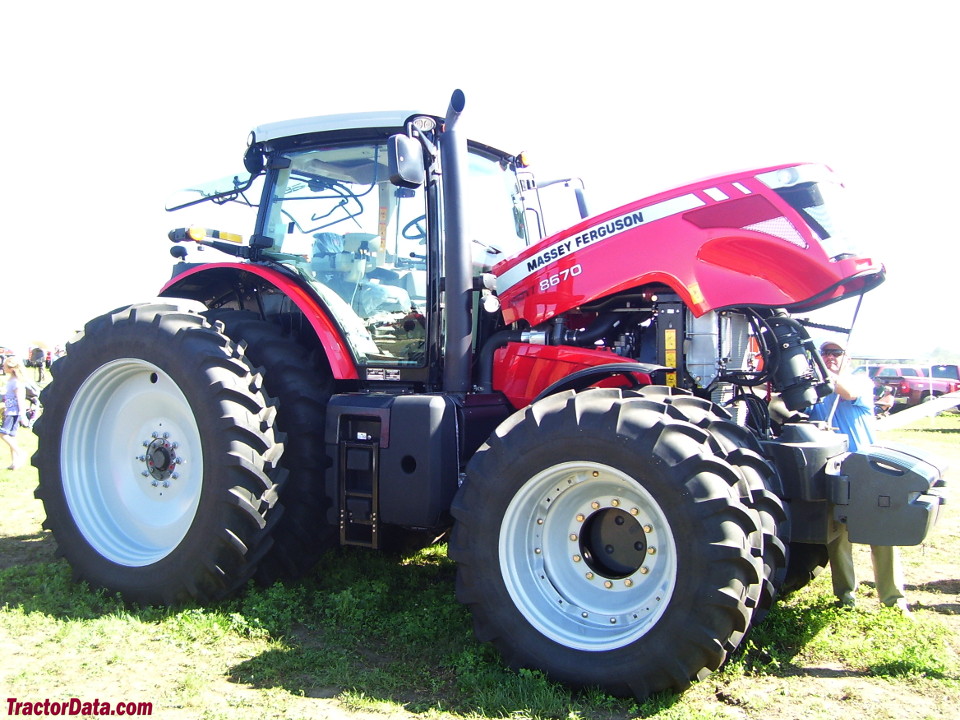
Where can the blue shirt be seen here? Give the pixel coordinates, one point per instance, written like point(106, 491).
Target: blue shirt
point(853, 418)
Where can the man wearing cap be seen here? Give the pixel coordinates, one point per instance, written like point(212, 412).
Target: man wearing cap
point(849, 410)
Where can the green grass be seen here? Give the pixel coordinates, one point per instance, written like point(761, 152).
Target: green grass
point(807, 627)
point(381, 634)
point(939, 434)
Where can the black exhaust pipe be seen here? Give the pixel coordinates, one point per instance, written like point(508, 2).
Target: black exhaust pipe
point(457, 268)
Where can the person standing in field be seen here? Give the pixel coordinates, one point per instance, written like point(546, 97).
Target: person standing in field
point(849, 410)
point(14, 405)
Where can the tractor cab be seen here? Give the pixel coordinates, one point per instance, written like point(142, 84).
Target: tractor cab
point(330, 210)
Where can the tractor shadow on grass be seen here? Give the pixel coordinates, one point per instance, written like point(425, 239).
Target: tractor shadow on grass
point(38, 547)
point(945, 590)
point(393, 632)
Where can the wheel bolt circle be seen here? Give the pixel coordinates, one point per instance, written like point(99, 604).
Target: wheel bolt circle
point(160, 459)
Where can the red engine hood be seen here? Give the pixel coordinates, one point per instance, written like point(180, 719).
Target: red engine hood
point(729, 241)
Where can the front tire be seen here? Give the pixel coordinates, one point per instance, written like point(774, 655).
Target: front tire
point(157, 457)
point(760, 487)
point(603, 542)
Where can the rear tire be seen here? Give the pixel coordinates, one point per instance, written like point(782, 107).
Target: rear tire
point(157, 457)
point(302, 382)
point(602, 542)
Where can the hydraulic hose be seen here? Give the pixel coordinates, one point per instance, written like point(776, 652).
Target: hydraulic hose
point(485, 356)
point(588, 336)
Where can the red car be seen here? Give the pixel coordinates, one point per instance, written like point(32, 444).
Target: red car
point(911, 384)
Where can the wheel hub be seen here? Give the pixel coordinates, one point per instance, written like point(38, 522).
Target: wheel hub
point(584, 546)
point(612, 543)
point(160, 459)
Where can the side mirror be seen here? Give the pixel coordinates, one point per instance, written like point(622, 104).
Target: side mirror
point(253, 160)
point(405, 158)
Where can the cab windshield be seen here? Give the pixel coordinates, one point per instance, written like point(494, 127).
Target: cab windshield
point(495, 211)
point(361, 241)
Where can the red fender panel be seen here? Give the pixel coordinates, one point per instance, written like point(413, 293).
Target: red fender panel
point(521, 371)
point(190, 284)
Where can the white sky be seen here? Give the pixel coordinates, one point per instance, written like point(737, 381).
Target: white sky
point(107, 108)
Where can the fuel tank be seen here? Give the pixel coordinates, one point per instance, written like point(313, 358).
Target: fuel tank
point(763, 238)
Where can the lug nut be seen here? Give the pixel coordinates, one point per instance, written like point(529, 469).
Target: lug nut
point(581, 517)
point(644, 570)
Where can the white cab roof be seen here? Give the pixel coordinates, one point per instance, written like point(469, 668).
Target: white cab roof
point(325, 123)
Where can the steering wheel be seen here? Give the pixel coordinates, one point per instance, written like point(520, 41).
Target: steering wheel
point(415, 229)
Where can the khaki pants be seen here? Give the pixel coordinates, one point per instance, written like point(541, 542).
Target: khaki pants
point(886, 570)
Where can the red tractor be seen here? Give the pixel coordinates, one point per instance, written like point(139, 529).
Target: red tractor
point(610, 420)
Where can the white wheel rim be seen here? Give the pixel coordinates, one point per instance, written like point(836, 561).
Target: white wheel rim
point(131, 462)
point(574, 597)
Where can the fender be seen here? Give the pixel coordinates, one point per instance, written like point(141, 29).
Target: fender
point(196, 282)
point(522, 372)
